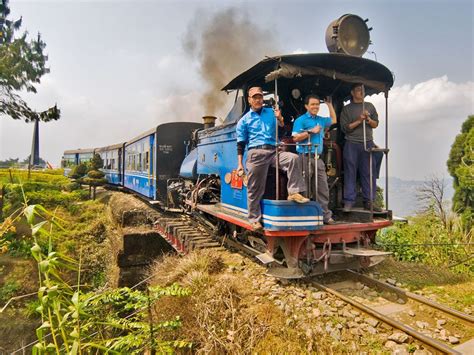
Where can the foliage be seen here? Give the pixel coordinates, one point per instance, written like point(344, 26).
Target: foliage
point(20, 176)
point(95, 177)
point(74, 321)
point(7, 290)
point(461, 168)
point(22, 64)
point(78, 171)
point(426, 239)
point(9, 162)
point(97, 162)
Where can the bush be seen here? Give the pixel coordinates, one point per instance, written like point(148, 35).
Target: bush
point(426, 239)
point(72, 186)
point(95, 174)
point(78, 171)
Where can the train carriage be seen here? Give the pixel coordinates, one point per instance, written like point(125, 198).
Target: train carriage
point(74, 157)
point(139, 164)
point(155, 157)
point(112, 158)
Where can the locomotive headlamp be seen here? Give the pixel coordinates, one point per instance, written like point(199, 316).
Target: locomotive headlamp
point(348, 34)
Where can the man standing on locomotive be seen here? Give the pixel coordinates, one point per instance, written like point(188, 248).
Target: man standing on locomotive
point(356, 158)
point(310, 128)
point(256, 129)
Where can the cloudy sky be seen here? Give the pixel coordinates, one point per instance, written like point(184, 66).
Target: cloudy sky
point(120, 67)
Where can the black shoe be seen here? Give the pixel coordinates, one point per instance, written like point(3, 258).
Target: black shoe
point(374, 208)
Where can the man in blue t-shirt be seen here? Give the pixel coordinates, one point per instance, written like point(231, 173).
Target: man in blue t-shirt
point(310, 128)
point(257, 130)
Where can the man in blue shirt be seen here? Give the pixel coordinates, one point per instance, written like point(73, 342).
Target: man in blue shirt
point(257, 130)
point(310, 128)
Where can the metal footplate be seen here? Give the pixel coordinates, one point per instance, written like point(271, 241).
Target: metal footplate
point(364, 252)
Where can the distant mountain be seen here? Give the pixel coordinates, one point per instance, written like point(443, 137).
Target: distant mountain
point(402, 194)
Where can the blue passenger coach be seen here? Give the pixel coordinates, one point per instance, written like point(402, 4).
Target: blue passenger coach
point(71, 158)
point(154, 157)
point(112, 157)
point(139, 165)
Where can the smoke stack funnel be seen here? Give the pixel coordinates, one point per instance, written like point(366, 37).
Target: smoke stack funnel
point(209, 121)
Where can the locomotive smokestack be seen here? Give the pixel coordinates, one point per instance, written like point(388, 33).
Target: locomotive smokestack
point(209, 121)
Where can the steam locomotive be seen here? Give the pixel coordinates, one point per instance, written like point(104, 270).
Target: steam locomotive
point(187, 167)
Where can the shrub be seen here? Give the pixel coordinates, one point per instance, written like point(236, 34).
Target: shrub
point(426, 239)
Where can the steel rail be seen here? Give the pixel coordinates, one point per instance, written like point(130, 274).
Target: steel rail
point(434, 344)
point(414, 296)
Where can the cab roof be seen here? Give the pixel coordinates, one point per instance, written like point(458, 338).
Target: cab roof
point(333, 73)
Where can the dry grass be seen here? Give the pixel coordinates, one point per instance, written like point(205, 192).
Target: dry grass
point(221, 315)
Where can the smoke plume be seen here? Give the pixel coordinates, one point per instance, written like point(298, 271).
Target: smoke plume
point(225, 44)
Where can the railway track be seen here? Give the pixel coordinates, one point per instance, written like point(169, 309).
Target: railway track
point(397, 310)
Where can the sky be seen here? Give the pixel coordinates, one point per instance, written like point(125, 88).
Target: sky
point(118, 68)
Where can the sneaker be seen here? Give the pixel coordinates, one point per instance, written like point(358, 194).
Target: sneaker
point(330, 221)
point(374, 208)
point(256, 227)
point(298, 198)
point(347, 207)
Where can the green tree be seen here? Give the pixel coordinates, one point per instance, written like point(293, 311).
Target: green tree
point(461, 169)
point(9, 162)
point(95, 177)
point(22, 64)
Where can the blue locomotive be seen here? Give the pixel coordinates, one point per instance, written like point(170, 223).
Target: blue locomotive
point(190, 168)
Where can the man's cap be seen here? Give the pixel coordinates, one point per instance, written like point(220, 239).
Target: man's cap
point(255, 91)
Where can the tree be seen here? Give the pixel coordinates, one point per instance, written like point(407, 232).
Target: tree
point(461, 168)
point(95, 177)
point(22, 64)
point(432, 194)
point(8, 162)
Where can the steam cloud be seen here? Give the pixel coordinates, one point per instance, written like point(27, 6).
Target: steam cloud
point(225, 44)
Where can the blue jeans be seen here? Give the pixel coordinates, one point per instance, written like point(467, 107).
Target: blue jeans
point(356, 159)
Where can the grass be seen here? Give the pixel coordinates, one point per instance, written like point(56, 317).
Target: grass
point(447, 287)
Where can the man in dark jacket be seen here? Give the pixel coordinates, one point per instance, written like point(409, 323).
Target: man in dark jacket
point(356, 159)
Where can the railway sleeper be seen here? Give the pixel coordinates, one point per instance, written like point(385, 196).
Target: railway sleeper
point(185, 237)
point(200, 244)
point(182, 233)
point(189, 242)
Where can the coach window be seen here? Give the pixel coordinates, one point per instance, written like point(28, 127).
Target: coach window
point(147, 161)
